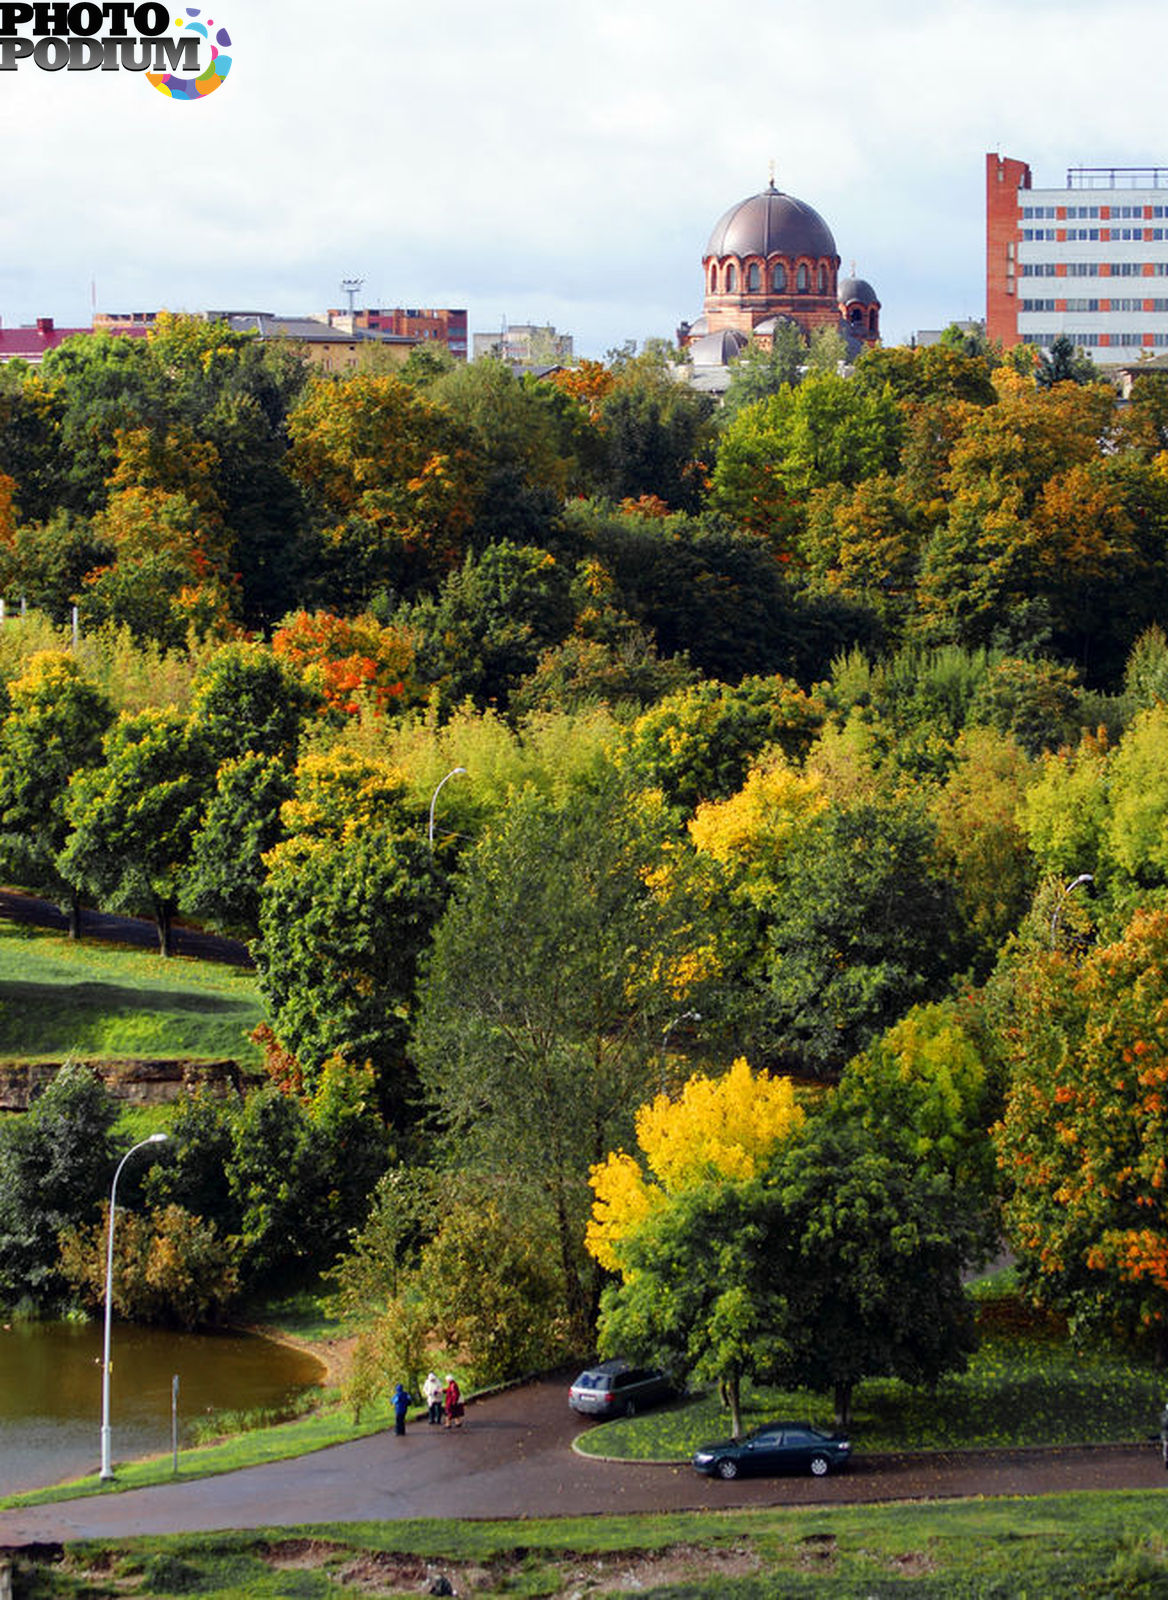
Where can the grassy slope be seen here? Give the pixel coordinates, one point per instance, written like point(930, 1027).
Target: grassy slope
point(1071, 1545)
point(92, 999)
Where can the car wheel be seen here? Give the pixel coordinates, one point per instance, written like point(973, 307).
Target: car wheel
point(727, 1468)
point(630, 1408)
point(820, 1466)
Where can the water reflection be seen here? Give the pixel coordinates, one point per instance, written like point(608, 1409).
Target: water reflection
point(50, 1391)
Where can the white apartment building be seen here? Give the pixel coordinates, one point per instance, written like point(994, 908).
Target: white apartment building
point(1088, 260)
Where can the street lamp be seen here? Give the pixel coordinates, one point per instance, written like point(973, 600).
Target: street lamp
point(1084, 877)
point(453, 773)
point(686, 1016)
point(106, 1470)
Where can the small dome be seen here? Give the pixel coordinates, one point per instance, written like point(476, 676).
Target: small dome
point(771, 223)
point(770, 325)
point(718, 349)
point(857, 291)
point(699, 326)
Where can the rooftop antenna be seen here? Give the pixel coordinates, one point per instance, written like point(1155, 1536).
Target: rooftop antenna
point(352, 287)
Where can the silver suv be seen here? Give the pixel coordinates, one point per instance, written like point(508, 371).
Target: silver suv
point(616, 1389)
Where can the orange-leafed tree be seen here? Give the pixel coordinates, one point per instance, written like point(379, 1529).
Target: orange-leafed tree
point(1083, 1142)
point(349, 661)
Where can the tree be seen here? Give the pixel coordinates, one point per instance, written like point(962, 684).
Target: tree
point(486, 628)
point(656, 432)
point(821, 1253)
point(56, 1162)
point(550, 972)
point(225, 880)
point(1083, 1140)
point(246, 699)
point(344, 923)
point(870, 1245)
point(698, 743)
point(395, 477)
point(760, 372)
point(774, 453)
point(53, 729)
point(169, 1267)
point(134, 817)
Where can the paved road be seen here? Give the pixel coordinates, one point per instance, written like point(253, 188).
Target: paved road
point(17, 906)
point(514, 1458)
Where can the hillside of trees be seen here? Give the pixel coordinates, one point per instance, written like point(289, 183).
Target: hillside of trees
point(558, 744)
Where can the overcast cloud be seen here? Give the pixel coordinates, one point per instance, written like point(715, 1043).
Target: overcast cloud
point(534, 163)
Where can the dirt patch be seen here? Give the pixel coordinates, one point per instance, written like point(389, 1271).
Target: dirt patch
point(334, 1355)
point(390, 1573)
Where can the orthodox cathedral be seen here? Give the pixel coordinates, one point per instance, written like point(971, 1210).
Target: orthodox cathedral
point(772, 259)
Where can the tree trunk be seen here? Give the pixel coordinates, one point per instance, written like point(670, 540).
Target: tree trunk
point(734, 1395)
point(73, 913)
point(843, 1407)
point(162, 916)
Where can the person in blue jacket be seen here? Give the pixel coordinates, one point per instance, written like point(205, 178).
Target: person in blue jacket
point(401, 1404)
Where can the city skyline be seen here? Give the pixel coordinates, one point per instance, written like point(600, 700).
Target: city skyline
point(564, 169)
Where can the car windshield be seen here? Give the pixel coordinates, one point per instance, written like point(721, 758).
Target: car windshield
point(591, 1380)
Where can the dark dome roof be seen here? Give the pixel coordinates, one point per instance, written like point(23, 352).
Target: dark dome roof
point(859, 290)
point(771, 223)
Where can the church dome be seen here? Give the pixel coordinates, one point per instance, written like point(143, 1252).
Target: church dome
point(858, 290)
point(771, 223)
point(718, 349)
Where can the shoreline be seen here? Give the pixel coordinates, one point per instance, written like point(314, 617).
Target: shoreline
point(334, 1355)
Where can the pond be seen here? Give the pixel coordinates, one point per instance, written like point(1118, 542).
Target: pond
point(50, 1391)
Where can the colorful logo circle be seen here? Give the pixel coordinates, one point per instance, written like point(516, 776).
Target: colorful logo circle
point(212, 76)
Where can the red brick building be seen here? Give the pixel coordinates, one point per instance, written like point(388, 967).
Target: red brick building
point(772, 258)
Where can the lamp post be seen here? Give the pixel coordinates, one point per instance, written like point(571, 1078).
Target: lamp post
point(686, 1016)
point(453, 773)
point(1084, 877)
point(106, 1470)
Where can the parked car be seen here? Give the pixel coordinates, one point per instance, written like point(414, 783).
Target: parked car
point(618, 1389)
point(775, 1447)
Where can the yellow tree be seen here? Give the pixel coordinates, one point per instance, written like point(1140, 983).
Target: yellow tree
point(683, 1231)
point(717, 1130)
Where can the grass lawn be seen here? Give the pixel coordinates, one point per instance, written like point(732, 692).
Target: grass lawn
point(91, 999)
point(1054, 1547)
point(1025, 1387)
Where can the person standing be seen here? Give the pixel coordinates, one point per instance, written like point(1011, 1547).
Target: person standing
point(401, 1404)
point(453, 1398)
point(433, 1395)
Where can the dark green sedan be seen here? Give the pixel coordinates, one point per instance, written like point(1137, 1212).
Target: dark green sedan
point(775, 1447)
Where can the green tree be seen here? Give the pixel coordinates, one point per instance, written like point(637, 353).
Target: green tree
point(53, 729)
point(550, 973)
point(774, 453)
point(225, 881)
point(760, 372)
point(134, 817)
point(343, 925)
point(657, 433)
point(485, 629)
point(247, 699)
point(169, 1267)
point(56, 1162)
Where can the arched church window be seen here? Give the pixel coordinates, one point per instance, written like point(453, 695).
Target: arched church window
point(778, 277)
point(731, 278)
point(873, 320)
point(753, 278)
point(822, 279)
point(713, 277)
point(803, 279)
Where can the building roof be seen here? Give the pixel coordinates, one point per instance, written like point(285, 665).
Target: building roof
point(771, 223)
point(33, 343)
point(858, 291)
point(718, 349)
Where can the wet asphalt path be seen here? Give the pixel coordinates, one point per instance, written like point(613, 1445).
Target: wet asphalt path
point(514, 1459)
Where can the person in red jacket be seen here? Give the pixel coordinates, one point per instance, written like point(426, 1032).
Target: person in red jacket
point(452, 1396)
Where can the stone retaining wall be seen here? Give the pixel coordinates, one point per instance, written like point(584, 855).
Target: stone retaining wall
point(138, 1082)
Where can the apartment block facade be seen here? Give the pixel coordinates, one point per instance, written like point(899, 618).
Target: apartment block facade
point(1088, 260)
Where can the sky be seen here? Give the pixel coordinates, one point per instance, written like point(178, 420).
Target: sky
point(559, 164)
